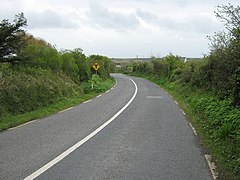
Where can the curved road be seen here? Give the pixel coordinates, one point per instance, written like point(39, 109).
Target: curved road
point(134, 131)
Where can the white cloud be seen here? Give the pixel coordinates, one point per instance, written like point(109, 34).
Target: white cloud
point(123, 28)
point(101, 16)
point(49, 19)
point(194, 22)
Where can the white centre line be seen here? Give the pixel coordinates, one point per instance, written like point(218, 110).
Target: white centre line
point(77, 145)
point(154, 97)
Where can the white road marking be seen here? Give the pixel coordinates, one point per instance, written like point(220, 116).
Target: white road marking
point(87, 101)
point(183, 112)
point(154, 97)
point(176, 102)
point(194, 130)
point(115, 84)
point(212, 166)
point(77, 145)
point(107, 91)
point(22, 125)
point(65, 110)
point(99, 95)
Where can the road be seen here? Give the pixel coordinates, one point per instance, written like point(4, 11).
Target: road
point(134, 131)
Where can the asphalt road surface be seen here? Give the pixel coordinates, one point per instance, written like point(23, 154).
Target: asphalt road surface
point(134, 131)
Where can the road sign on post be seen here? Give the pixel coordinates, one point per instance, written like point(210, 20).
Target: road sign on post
point(96, 66)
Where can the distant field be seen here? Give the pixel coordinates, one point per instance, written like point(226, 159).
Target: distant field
point(126, 60)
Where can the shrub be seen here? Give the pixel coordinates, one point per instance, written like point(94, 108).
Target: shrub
point(26, 89)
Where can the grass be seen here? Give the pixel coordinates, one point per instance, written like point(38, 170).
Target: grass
point(217, 123)
point(9, 121)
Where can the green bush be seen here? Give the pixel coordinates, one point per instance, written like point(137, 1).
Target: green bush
point(236, 89)
point(222, 124)
point(83, 64)
point(39, 53)
point(96, 84)
point(26, 89)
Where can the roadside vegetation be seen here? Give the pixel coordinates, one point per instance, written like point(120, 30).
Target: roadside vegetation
point(208, 90)
point(36, 79)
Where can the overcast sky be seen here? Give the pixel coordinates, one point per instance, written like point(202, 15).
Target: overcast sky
point(121, 28)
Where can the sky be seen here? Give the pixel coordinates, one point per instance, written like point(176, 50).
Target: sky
point(122, 28)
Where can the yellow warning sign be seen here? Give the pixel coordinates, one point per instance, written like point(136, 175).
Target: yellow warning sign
point(96, 66)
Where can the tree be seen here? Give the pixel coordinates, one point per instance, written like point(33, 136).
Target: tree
point(12, 38)
point(230, 15)
point(39, 53)
point(82, 63)
point(224, 58)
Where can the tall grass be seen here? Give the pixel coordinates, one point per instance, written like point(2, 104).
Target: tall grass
point(26, 89)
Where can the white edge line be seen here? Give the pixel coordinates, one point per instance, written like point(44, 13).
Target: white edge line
point(212, 166)
point(65, 110)
point(87, 101)
point(183, 112)
point(99, 95)
point(22, 125)
point(194, 130)
point(74, 147)
point(107, 91)
point(176, 102)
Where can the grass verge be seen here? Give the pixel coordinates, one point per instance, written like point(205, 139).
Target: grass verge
point(217, 123)
point(9, 121)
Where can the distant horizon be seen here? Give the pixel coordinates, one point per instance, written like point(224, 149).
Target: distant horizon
point(153, 56)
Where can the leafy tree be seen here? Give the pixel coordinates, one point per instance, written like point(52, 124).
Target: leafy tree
point(11, 38)
point(230, 15)
point(38, 53)
point(224, 58)
point(82, 63)
point(69, 66)
point(236, 91)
